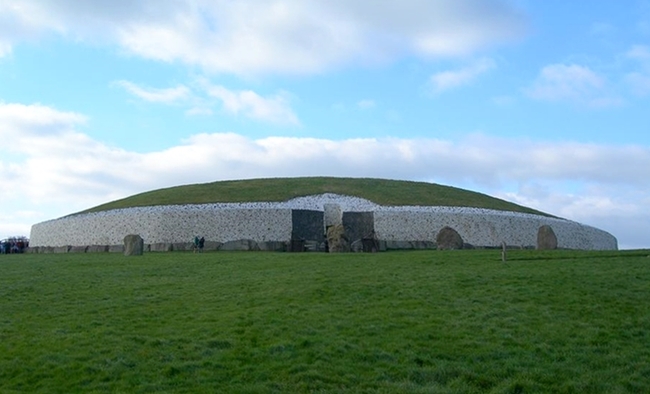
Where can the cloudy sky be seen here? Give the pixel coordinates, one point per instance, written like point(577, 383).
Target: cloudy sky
point(543, 103)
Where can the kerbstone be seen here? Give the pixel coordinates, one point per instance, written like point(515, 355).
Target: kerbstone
point(546, 239)
point(337, 240)
point(240, 245)
point(161, 247)
point(133, 245)
point(97, 249)
point(449, 239)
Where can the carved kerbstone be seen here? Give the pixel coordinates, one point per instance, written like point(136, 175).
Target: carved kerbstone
point(337, 241)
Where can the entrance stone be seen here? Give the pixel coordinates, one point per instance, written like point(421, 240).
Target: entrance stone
point(337, 241)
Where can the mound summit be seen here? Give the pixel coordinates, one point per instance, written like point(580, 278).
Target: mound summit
point(380, 191)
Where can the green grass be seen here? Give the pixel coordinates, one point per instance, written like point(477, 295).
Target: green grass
point(396, 322)
point(380, 191)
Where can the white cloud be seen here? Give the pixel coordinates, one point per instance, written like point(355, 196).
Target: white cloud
point(23, 21)
point(639, 81)
point(199, 111)
point(274, 109)
point(573, 83)
point(639, 52)
point(167, 96)
point(619, 210)
point(21, 121)
point(446, 80)
point(602, 29)
point(5, 48)
point(366, 104)
point(284, 36)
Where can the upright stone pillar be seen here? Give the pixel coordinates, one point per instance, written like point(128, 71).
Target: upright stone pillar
point(133, 245)
point(333, 215)
point(449, 239)
point(546, 239)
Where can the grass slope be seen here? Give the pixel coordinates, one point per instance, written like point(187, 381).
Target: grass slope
point(402, 322)
point(380, 191)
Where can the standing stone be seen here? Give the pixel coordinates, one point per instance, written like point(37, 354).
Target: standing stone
point(333, 215)
point(370, 242)
point(358, 225)
point(133, 245)
point(546, 239)
point(307, 225)
point(449, 239)
point(337, 241)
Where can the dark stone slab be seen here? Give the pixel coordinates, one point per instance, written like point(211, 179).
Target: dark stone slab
point(78, 249)
point(211, 246)
point(273, 246)
point(307, 225)
point(161, 247)
point(297, 245)
point(240, 245)
point(116, 249)
point(97, 249)
point(61, 249)
point(359, 225)
point(408, 245)
point(183, 246)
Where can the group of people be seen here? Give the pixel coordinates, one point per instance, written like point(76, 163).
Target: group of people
point(14, 245)
point(199, 243)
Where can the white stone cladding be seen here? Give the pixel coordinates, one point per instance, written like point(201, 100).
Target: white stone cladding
point(166, 224)
point(486, 228)
point(266, 221)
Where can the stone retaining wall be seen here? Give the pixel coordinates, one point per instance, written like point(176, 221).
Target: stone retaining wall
point(486, 228)
point(271, 226)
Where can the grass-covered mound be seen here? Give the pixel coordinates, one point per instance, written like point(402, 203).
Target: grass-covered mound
point(380, 191)
point(401, 322)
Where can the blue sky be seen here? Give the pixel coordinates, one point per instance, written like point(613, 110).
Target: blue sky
point(545, 104)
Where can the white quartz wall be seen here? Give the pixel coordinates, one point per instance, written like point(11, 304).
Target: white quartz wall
point(272, 222)
point(168, 225)
point(481, 227)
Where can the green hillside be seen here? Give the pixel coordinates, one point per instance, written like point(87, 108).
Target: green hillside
point(380, 191)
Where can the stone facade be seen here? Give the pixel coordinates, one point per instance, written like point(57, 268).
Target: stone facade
point(238, 224)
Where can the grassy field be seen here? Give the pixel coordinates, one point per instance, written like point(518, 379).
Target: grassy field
point(396, 322)
point(380, 191)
